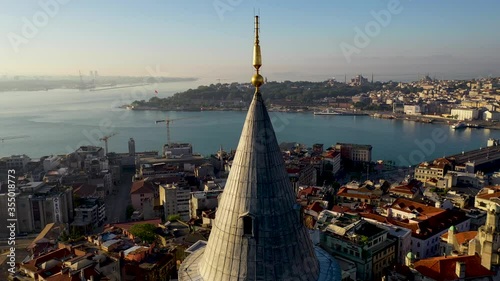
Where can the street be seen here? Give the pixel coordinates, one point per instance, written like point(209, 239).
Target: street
point(119, 199)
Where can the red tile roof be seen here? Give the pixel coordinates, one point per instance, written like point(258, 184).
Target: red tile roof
point(141, 186)
point(59, 254)
point(376, 217)
point(85, 190)
point(489, 192)
point(427, 227)
point(331, 154)
point(462, 237)
point(409, 206)
point(411, 188)
point(127, 225)
point(347, 192)
point(341, 209)
point(443, 268)
point(87, 273)
point(309, 191)
point(316, 206)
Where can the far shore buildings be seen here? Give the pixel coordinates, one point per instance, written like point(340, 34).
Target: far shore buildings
point(465, 113)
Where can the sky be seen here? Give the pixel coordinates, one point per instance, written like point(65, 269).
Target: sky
point(300, 40)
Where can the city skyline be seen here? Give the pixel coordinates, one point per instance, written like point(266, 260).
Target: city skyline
point(205, 39)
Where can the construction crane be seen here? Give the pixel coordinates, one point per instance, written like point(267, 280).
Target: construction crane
point(13, 138)
point(167, 121)
point(105, 140)
point(220, 79)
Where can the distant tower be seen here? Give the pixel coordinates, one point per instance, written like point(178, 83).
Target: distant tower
point(488, 237)
point(372, 77)
point(131, 147)
point(451, 240)
point(257, 233)
point(345, 78)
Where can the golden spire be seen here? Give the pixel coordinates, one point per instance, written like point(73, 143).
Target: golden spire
point(257, 79)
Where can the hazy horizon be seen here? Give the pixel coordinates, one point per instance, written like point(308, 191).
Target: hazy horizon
point(213, 39)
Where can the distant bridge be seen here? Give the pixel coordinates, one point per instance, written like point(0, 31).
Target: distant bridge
point(484, 159)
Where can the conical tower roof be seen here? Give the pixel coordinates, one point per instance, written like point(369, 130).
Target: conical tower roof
point(257, 233)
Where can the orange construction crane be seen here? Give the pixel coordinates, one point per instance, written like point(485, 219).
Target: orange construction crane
point(105, 139)
point(167, 121)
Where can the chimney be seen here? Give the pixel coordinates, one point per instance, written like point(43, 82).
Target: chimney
point(460, 270)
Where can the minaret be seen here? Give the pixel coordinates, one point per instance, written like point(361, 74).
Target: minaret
point(257, 233)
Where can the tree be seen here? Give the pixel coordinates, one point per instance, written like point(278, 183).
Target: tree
point(144, 231)
point(130, 211)
point(174, 217)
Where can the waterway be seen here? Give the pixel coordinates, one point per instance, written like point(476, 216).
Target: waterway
point(59, 121)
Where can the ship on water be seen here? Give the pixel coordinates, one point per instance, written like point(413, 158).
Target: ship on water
point(459, 125)
point(327, 111)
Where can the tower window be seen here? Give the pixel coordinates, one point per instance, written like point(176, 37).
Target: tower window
point(247, 225)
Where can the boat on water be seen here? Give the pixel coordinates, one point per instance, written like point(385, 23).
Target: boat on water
point(459, 125)
point(328, 111)
point(475, 126)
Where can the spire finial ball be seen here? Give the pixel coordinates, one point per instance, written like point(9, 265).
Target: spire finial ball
point(257, 80)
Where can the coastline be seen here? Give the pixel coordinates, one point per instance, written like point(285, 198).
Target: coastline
point(427, 119)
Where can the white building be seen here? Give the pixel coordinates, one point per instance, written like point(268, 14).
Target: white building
point(412, 109)
point(402, 235)
point(90, 214)
point(203, 201)
point(491, 115)
point(334, 160)
point(175, 200)
point(16, 162)
point(465, 113)
point(177, 150)
point(51, 163)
